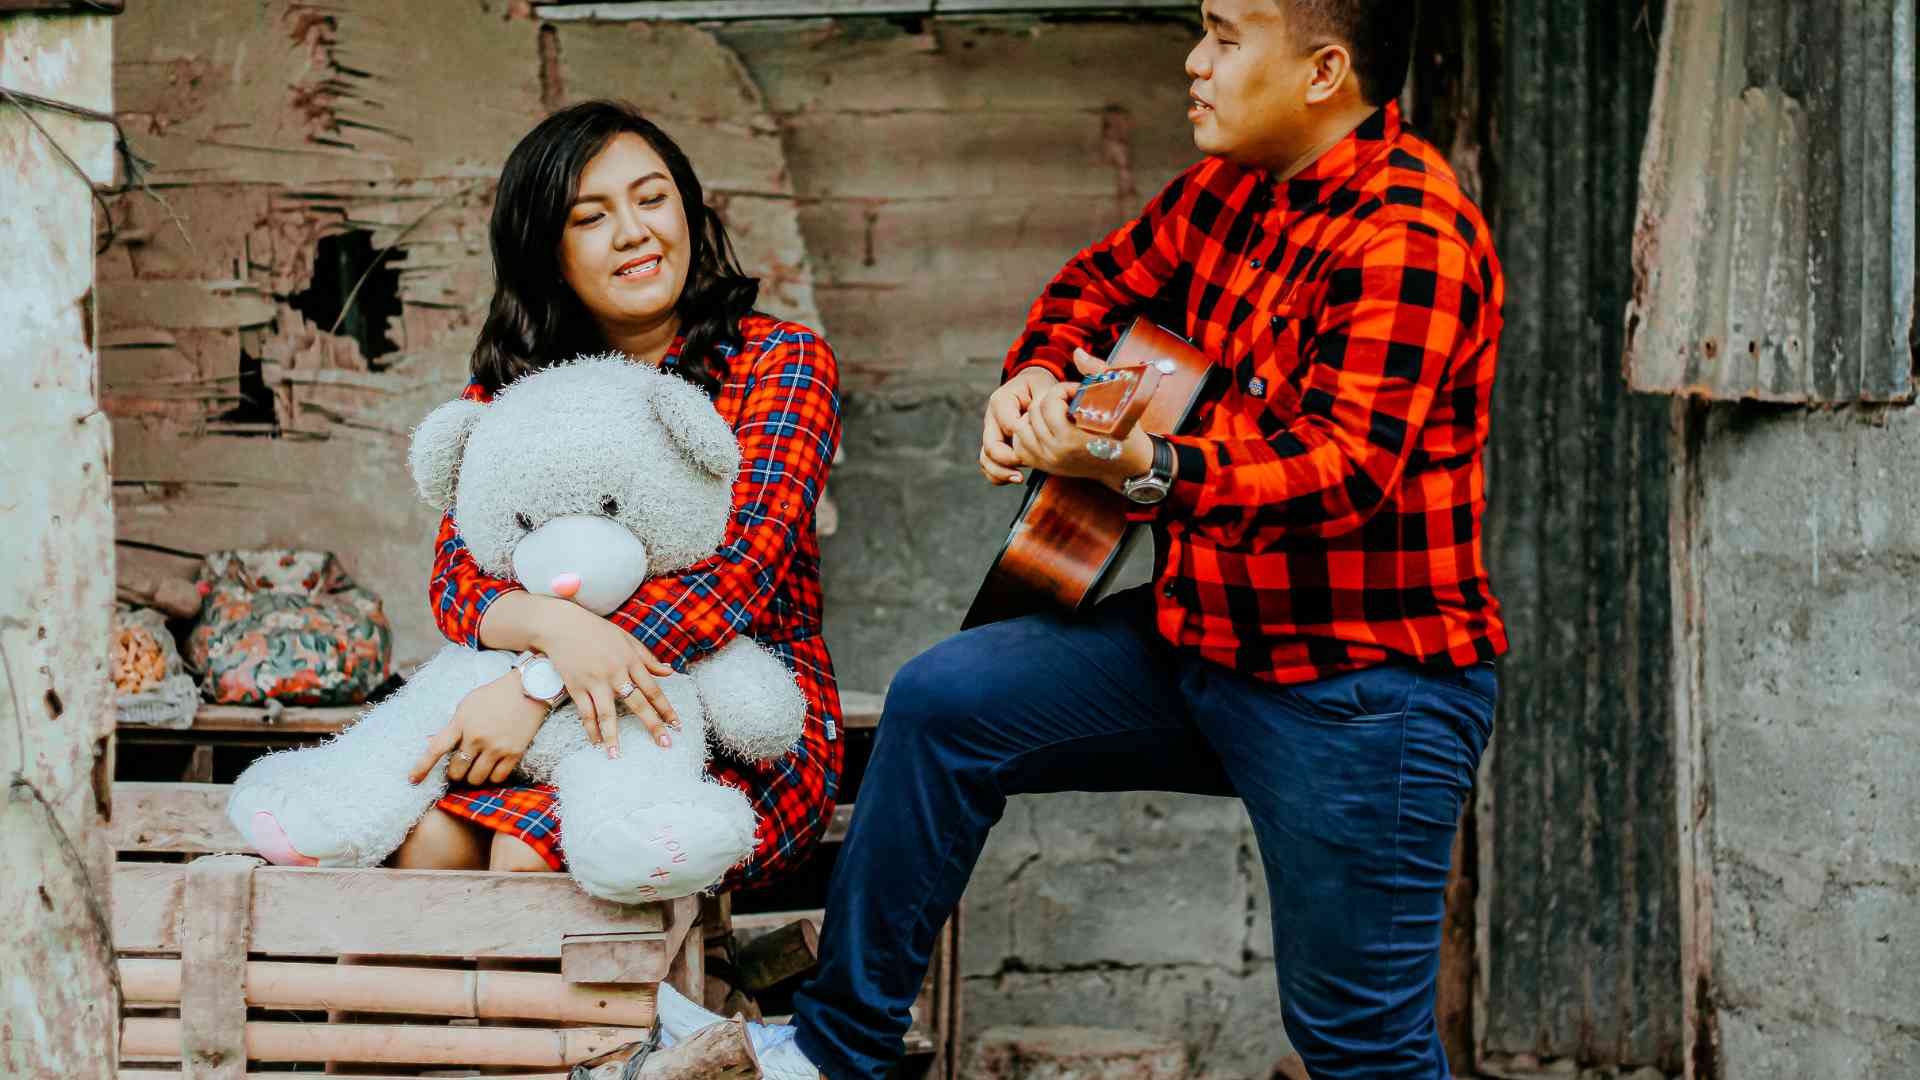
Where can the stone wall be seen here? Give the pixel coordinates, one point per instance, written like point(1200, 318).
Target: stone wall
point(1804, 557)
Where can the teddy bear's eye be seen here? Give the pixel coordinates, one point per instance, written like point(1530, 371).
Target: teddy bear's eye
point(610, 506)
point(525, 522)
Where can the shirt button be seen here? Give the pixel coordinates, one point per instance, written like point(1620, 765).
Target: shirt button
point(1168, 591)
point(1256, 264)
point(1277, 322)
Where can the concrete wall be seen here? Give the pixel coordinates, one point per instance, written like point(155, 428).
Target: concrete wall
point(59, 997)
point(1804, 561)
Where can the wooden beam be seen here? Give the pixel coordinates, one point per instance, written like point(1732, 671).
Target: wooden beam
point(772, 959)
point(144, 1038)
point(742, 10)
point(249, 718)
point(323, 912)
point(64, 7)
point(485, 995)
point(213, 965)
point(172, 817)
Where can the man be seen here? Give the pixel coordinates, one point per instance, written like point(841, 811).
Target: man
point(1320, 634)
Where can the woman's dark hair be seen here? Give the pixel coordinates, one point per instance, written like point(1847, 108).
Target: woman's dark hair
point(535, 319)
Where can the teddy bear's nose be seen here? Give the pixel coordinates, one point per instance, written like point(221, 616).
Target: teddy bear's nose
point(565, 585)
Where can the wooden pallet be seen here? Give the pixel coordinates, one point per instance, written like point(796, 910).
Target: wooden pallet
point(184, 817)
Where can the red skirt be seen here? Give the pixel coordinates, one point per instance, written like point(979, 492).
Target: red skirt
point(792, 796)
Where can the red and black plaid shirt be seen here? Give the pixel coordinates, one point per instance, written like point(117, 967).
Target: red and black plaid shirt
point(1327, 511)
point(781, 396)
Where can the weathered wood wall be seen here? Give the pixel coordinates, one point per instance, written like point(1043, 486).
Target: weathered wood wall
point(285, 133)
point(59, 999)
point(1579, 916)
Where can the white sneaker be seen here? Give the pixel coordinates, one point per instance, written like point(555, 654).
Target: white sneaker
point(780, 1058)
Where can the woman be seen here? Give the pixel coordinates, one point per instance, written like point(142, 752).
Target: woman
point(602, 240)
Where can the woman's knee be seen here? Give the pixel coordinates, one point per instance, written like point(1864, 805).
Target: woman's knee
point(514, 855)
point(441, 841)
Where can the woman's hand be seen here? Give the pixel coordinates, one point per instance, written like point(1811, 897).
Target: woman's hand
point(598, 661)
point(490, 730)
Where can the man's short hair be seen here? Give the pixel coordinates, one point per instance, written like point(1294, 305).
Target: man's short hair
point(1378, 34)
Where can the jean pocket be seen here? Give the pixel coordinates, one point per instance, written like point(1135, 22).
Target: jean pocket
point(1369, 696)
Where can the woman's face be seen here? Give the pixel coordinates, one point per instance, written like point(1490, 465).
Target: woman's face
point(625, 250)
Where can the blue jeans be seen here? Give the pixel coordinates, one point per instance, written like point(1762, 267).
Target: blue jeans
point(1354, 785)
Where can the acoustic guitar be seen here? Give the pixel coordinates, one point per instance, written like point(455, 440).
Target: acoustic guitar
point(1070, 533)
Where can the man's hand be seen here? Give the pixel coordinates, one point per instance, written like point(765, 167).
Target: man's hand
point(1045, 438)
point(998, 461)
point(491, 729)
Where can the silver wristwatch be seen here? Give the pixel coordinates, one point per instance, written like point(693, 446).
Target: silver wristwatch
point(1152, 486)
point(539, 679)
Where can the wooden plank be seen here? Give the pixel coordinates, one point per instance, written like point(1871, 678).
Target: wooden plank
point(213, 963)
point(860, 710)
point(519, 995)
point(761, 922)
point(324, 912)
point(614, 958)
point(837, 828)
point(158, 1039)
point(774, 958)
point(172, 817)
point(251, 718)
point(741, 10)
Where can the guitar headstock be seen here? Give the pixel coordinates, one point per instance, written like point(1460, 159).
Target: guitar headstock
point(1110, 403)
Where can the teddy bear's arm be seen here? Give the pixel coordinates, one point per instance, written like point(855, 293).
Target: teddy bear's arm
point(754, 708)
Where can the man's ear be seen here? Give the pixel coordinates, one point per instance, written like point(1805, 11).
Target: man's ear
point(438, 444)
point(1332, 70)
point(694, 426)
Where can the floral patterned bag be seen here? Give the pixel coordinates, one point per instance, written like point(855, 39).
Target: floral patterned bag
point(288, 626)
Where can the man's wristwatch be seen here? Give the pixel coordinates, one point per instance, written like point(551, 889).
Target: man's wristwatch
point(539, 679)
point(1152, 486)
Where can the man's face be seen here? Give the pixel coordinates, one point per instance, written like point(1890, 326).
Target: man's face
point(1248, 100)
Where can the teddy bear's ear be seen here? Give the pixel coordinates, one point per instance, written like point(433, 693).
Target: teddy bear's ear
point(438, 443)
point(695, 427)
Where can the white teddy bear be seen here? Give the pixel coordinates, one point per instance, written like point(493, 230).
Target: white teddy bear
point(585, 479)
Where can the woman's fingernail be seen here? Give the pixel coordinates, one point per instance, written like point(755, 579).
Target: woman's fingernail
point(666, 739)
point(613, 751)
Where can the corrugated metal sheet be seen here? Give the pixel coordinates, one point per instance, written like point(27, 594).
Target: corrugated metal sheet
point(1774, 257)
point(1579, 887)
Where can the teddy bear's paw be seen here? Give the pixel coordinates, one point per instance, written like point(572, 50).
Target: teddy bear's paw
point(285, 834)
point(673, 848)
point(755, 709)
point(270, 840)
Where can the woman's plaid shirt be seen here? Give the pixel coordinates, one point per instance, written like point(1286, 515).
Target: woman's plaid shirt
point(1327, 512)
point(781, 396)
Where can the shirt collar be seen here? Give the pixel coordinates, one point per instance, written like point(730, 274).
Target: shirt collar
point(1330, 171)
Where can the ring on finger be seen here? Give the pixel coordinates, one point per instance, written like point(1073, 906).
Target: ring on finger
point(463, 755)
point(626, 689)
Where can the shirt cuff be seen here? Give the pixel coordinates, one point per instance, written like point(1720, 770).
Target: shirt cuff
point(487, 596)
point(1189, 474)
point(1042, 359)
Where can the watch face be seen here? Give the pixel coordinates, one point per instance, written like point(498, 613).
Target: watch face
point(1147, 492)
point(541, 680)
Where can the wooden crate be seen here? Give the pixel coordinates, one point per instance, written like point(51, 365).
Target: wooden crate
point(184, 816)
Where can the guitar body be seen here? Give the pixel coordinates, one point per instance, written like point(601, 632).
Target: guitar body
point(1071, 533)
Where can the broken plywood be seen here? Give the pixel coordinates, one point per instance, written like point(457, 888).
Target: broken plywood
point(278, 127)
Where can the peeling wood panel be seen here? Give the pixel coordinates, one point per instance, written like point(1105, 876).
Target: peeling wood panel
point(945, 175)
point(59, 1010)
point(1579, 917)
point(282, 131)
point(1774, 258)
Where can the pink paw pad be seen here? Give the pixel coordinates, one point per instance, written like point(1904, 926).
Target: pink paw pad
point(270, 840)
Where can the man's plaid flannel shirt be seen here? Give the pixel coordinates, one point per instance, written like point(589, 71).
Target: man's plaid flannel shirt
point(1327, 512)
